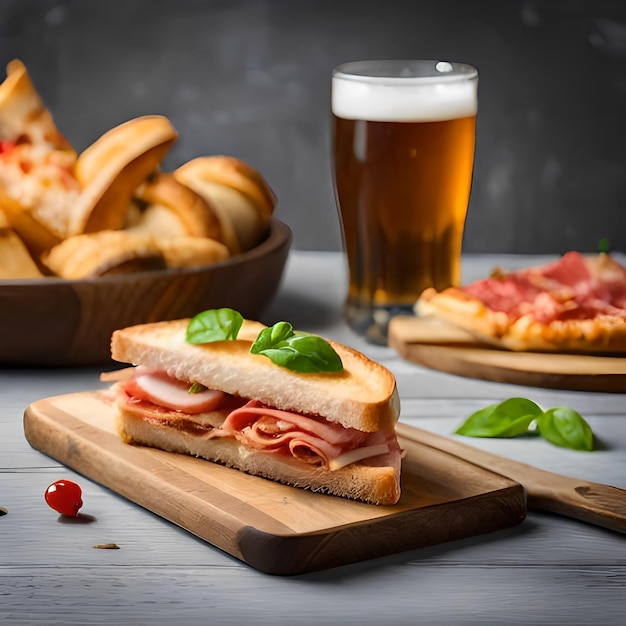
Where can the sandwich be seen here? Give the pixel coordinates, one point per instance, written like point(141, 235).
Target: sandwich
point(269, 401)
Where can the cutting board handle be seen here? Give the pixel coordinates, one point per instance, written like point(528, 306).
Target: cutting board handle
point(590, 502)
point(595, 503)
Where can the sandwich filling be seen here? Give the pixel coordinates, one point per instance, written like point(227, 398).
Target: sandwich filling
point(161, 400)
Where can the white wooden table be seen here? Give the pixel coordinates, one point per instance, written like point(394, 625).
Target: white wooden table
point(548, 570)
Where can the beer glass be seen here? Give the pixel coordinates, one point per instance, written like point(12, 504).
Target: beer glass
point(403, 153)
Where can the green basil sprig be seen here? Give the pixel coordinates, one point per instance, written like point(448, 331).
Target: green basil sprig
point(561, 426)
point(214, 325)
point(297, 351)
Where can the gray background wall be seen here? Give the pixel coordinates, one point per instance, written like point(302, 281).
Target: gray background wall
point(251, 78)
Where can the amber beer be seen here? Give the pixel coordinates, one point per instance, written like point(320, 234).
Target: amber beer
point(403, 140)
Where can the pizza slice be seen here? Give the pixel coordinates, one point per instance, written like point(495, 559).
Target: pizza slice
point(574, 304)
point(36, 162)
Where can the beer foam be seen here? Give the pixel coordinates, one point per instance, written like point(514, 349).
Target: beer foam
point(403, 99)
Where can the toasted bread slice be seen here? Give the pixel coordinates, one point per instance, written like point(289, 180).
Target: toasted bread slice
point(362, 396)
point(243, 200)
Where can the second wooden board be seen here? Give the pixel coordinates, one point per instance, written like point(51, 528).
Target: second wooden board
point(442, 347)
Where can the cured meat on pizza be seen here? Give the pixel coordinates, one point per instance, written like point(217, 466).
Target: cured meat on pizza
point(574, 304)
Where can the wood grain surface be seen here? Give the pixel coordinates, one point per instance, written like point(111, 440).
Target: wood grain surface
point(275, 528)
point(443, 347)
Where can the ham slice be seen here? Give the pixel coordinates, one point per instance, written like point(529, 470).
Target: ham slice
point(160, 399)
point(308, 439)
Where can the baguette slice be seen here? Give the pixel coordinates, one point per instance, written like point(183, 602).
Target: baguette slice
point(363, 397)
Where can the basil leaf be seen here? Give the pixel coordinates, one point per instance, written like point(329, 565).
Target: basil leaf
point(518, 407)
point(214, 325)
point(510, 418)
point(272, 336)
point(299, 352)
point(560, 426)
point(566, 428)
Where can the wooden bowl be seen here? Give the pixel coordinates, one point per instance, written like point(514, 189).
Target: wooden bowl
point(51, 321)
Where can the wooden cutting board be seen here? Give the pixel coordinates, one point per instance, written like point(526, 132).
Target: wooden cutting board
point(275, 528)
point(443, 347)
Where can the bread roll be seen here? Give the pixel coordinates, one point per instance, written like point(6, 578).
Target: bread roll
point(104, 253)
point(171, 208)
point(185, 251)
point(110, 170)
point(243, 200)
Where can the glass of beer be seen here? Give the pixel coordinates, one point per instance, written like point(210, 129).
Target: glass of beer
point(403, 155)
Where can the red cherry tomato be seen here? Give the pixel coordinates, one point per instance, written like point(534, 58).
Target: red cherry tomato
point(65, 497)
